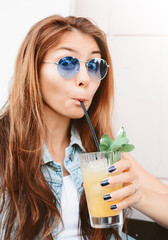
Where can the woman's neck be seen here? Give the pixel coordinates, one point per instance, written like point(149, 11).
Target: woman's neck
point(57, 133)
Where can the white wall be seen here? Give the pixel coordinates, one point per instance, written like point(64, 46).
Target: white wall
point(137, 33)
point(16, 18)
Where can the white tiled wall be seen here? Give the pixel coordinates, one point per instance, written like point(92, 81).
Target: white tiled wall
point(137, 34)
point(146, 17)
point(98, 10)
point(16, 18)
point(141, 102)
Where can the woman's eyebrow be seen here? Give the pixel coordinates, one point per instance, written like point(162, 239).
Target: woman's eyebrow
point(66, 48)
point(95, 52)
point(75, 51)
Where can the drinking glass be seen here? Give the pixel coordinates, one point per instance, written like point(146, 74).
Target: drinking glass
point(94, 167)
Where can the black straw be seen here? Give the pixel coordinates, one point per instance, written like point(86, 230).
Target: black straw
point(90, 125)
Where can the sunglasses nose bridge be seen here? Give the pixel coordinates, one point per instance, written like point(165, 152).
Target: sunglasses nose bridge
point(84, 63)
point(82, 78)
point(83, 66)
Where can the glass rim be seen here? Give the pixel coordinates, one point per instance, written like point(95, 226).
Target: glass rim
point(104, 152)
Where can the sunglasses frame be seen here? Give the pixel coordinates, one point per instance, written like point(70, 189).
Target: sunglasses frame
point(57, 63)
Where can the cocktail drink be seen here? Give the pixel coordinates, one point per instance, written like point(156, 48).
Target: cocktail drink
point(94, 167)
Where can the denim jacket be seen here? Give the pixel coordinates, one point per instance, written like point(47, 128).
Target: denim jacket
point(54, 174)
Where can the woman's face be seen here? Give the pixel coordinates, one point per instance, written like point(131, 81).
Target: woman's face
point(62, 96)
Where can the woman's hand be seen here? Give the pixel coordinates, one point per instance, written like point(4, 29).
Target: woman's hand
point(124, 172)
point(140, 190)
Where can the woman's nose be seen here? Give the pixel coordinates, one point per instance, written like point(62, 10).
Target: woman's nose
point(82, 79)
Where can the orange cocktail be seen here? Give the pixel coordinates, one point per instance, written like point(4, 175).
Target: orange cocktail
point(94, 167)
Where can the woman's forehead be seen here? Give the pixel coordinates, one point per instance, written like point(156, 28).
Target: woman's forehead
point(75, 43)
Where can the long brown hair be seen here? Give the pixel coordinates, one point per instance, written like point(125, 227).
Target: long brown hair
point(28, 203)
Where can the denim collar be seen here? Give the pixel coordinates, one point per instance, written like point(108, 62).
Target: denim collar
point(74, 140)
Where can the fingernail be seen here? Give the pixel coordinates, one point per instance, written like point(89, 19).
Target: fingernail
point(107, 196)
point(113, 207)
point(111, 169)
point(105, 183)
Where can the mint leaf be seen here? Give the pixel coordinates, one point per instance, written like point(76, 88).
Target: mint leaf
point(119, 144)
point(122, 132)
point(105, 143)
point(127, 148)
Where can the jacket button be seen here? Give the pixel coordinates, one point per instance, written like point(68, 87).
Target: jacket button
point(71, 157)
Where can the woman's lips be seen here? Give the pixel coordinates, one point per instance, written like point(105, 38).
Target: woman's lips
point(80, 100)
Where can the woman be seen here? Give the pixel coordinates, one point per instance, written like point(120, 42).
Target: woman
point(43, 129)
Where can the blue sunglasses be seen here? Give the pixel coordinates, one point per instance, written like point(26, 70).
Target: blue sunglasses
point(68, 67)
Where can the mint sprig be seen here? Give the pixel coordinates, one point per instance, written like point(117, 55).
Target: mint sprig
point(119, 144)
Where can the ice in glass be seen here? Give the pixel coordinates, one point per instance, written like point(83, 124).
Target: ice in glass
point(94, 167)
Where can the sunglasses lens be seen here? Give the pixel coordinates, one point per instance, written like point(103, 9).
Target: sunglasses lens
point(97, 68)
point(68, 67)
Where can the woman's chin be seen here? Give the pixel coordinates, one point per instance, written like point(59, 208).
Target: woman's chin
point(77, 115)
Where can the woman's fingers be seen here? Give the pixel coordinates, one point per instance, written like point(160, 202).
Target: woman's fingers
point(130, 200)
point(129, 196)
point(122, 193)
point(120, 178)
point(123, 173)
point(120, 166)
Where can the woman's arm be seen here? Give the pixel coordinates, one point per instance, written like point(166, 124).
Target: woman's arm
point(154, 205)
point(145, 178)
point(141, 190)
